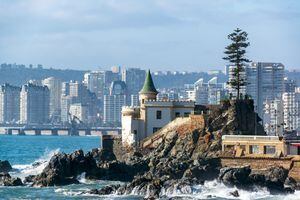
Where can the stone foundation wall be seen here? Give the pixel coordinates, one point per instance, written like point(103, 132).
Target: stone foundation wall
point(261, 164)
point(257, 163)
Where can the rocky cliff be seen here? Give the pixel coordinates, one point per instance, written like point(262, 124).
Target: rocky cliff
point(182, 154)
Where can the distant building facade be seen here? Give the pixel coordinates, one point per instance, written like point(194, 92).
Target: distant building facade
point(114, 102)
point(273, 117)
point(94, 81)
point(9, 104)
point(55, 87)
point(34, 104)
point(265, 81)
point(79, 111)
point(210, 93)
point(77, 93)
point(134, 79)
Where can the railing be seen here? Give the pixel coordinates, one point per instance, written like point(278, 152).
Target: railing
point(249, 137)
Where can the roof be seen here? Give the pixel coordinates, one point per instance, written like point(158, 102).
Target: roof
point(148, 85)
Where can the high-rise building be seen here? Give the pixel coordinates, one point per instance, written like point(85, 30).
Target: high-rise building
point(109, 77)
point(79, 111)
point(77, 93)
point(134, 79)
point(114, 102)
point(94, 81)
point(55, 87)
point(289, 85)
point(34, 104)
point(265, 81)
point(290, 111)
point(211, 92)
point(273, 117)
point(9, 104)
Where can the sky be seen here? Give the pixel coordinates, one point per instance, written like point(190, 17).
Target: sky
point(183, 35)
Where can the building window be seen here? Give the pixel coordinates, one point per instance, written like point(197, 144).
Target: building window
point(254, 149)
point(186, 114)
point(177, 114)
point(135, 132)
point(158, 114)
point(155, 129)
point(269, 150)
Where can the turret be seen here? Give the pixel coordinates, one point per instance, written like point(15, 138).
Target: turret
point(148, 91)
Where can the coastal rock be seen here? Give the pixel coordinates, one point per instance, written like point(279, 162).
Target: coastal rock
point(235, 193)
point(63, 169)
point(275, 178)
point(106, 190)
point(5, 166)
point(7, 180)
point(235, 176)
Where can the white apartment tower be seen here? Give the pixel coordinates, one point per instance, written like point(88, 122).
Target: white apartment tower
point(55, 87)
point(9, 104)
point(34, 104)
point(114, 102)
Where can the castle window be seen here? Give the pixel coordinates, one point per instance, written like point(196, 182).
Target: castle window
point(186, 114)
point(177, 114)
point(155, 129)
point(158, 114)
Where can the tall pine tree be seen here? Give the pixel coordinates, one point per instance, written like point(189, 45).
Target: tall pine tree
point(235, 54)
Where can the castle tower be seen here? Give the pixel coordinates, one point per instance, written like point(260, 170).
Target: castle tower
point(148, 91)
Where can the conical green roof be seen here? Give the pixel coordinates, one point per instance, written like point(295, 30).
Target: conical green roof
point(148, 85)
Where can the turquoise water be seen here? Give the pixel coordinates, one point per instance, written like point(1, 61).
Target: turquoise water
point(23, 151)
point(27, 149)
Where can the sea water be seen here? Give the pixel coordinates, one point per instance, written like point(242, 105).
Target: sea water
point(30, 154)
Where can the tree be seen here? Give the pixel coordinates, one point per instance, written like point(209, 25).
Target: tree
point(236, 56)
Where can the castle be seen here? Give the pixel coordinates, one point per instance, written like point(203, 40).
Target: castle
point(144, 120)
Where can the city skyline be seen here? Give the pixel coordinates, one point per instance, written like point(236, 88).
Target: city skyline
point(149, 34)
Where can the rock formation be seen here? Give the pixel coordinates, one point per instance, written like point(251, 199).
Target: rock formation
point(173, 159)
point(5, 166)
point(7, 180)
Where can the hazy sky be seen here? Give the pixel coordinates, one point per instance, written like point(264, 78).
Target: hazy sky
point(157, 34)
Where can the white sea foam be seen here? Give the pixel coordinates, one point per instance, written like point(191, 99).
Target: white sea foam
point(34, 168)
point(216, 190)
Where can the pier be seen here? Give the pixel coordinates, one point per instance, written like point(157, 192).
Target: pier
point(58, 131)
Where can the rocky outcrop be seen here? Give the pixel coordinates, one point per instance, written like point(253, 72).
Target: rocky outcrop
point(63, 169)
point(7, 180)
point(174, 159)
point(235, 117)
point(5, 166)
point(275, 179)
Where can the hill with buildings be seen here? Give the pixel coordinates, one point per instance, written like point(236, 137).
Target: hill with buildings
point(20, 74)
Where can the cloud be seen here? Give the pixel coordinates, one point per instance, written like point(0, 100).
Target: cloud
point(148, 32)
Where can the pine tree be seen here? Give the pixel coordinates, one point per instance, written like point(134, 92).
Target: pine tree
point(236, 56)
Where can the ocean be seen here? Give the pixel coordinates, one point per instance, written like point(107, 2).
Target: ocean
point(23, 151)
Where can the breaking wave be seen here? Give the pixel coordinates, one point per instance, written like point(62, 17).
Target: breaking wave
point(217, 190)
point(23, 170)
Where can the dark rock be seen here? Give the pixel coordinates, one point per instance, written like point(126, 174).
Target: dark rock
point(5, 166)
point(235, 193)
point(275, 178)
point(29, 179)
point(63, 169)
point(105, 190)
point(7, 180)
point(235, 176)
point(291, 183)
